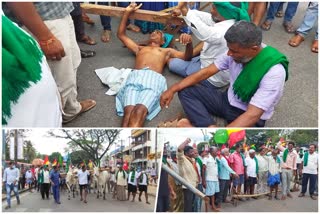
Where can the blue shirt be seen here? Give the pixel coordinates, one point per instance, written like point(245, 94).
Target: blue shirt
point(224, 169)
point(54, 177)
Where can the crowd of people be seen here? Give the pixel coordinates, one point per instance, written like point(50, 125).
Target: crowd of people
point(244, 174)
point(229, 41)
point(47, 180)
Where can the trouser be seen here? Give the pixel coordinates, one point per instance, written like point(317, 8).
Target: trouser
point(262, 186)
point(163, 203)
point(56, 192)
point(309, 20)
point(105, 20)
point(305, 179)
point(286, 177)
point(22, 182)
point(45, 190)
point(201, 101)
point(197, 201)
point(224, 187)
point(187, 196)
point(289, 13)
point(14, 188)
point(78, 26)
point(65, 71)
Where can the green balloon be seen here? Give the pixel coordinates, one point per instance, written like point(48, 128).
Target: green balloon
point(221, 136)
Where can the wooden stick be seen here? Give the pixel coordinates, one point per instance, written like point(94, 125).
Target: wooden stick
point(145, 15)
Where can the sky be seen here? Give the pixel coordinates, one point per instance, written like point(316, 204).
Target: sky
point(177, 136)
point(46, 144)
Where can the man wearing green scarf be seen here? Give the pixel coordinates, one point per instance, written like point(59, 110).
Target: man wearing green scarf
point(257, 78)
point(132, 183)
point(288, 167)
point(309, 170)
point(252, 171)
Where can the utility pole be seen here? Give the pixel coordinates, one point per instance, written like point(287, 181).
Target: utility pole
point(15, 145)
point(156, 143)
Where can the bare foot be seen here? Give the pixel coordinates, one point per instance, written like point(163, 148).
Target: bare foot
point(314, 47)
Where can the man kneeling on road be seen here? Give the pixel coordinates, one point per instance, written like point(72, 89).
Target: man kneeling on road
point(257, 76)
point(139, 98)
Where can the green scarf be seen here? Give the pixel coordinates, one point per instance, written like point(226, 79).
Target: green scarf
point(243, 162)
point(164, 160)
point(248, 81)
point(229, 11)
point(199, 161)
point(305, 158)
point(41, 177)
point(285, 155)
point(21, 65)
point(124, 177)
point(257, 166)
point(133, 176)
point(141, 178)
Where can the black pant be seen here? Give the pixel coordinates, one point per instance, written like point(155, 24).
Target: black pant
point(188, 196)
point(78, 24)
point(44, 188)
point(312, 184)
point(224, 187)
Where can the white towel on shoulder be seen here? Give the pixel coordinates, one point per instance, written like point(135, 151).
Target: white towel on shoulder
point(113, 77)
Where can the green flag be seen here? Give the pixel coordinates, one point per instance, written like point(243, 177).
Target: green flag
point(68, 163)
point(60, 161)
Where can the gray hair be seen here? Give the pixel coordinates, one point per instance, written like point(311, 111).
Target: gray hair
point(223, 151)
point(213, 148)
point(244, 33)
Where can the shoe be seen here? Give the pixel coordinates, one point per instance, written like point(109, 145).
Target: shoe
point(7, 207)
point(58, 202)
point(86, 105)
point(289, 195)
point(140, 199)
point(301, 195)
point(313, 197)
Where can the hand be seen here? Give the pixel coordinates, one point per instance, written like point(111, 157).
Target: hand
point(53, 49)
point(204, 183)
point(300, 172)
point(185, 39)
point(166, 98)
point(133, 7)
point(236, 176)
point(14, 183)
point(176, 12)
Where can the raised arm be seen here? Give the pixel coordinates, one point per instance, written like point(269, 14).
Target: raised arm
point(129, 43)
point(182, 145)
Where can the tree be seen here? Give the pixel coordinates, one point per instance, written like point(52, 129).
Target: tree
point(302, 137)
point(95, 142)
point(54, 155)
point(78, 156)
point(29, 151)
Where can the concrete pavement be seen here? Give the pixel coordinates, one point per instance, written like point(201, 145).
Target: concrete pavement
point(297, 108)
point(32, 202)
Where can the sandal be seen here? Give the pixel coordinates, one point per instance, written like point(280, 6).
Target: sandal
point(87, 54)
point(288, 26)
point(314, 47)
point(279, 14)
point(106, 35)
point(87, 40)
point(86, 105)
point(133, 28)
point(266, 25)
point(296, 40)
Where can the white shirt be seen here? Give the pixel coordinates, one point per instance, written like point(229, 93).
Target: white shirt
point(36, 173)
point(199, 169)
point(273, 166)
point(251, 167)
point(83, 177)
point(29, 174)
point(212, 34)
point(312, 165)
point(46, 176)
point(11, 175)
point(211, 168)
point(144, 179)
point(134, 180)
point(262, 163)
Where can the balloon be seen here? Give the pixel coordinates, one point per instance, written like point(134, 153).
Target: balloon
point(221, 136)
point(233, 130)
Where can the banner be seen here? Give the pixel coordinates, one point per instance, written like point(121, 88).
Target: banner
point(20, 148)
point(11, 147)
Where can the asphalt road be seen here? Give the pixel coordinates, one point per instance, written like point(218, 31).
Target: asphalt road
point(297, 108)
point(32, 202)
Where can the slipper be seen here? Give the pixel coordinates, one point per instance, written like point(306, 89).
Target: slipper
point(266, 25)
point(86, 105)
point(87, 54)
point(106, 35)
point(296, 40)
point(314, 47)
point(288, 26)
point(279, 14)
point(87, 40)
point(133, 28)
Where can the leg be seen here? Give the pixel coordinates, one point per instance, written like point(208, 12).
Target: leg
point(81, 191)
point(284, 176)
point(47, 187)
point(272, 10)
point(42, 191)
point(127, 114)
point(138, 116)
point(85, 194)
point(258, 13)
point(312, 183)
point(8, 191)
point(289, 178)
point(309, 19)
point(184, 68)
point(16, 193)
point(290, 12)
point(106, 24)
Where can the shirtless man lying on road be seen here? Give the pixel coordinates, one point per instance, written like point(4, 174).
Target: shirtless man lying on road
point(139, 99)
